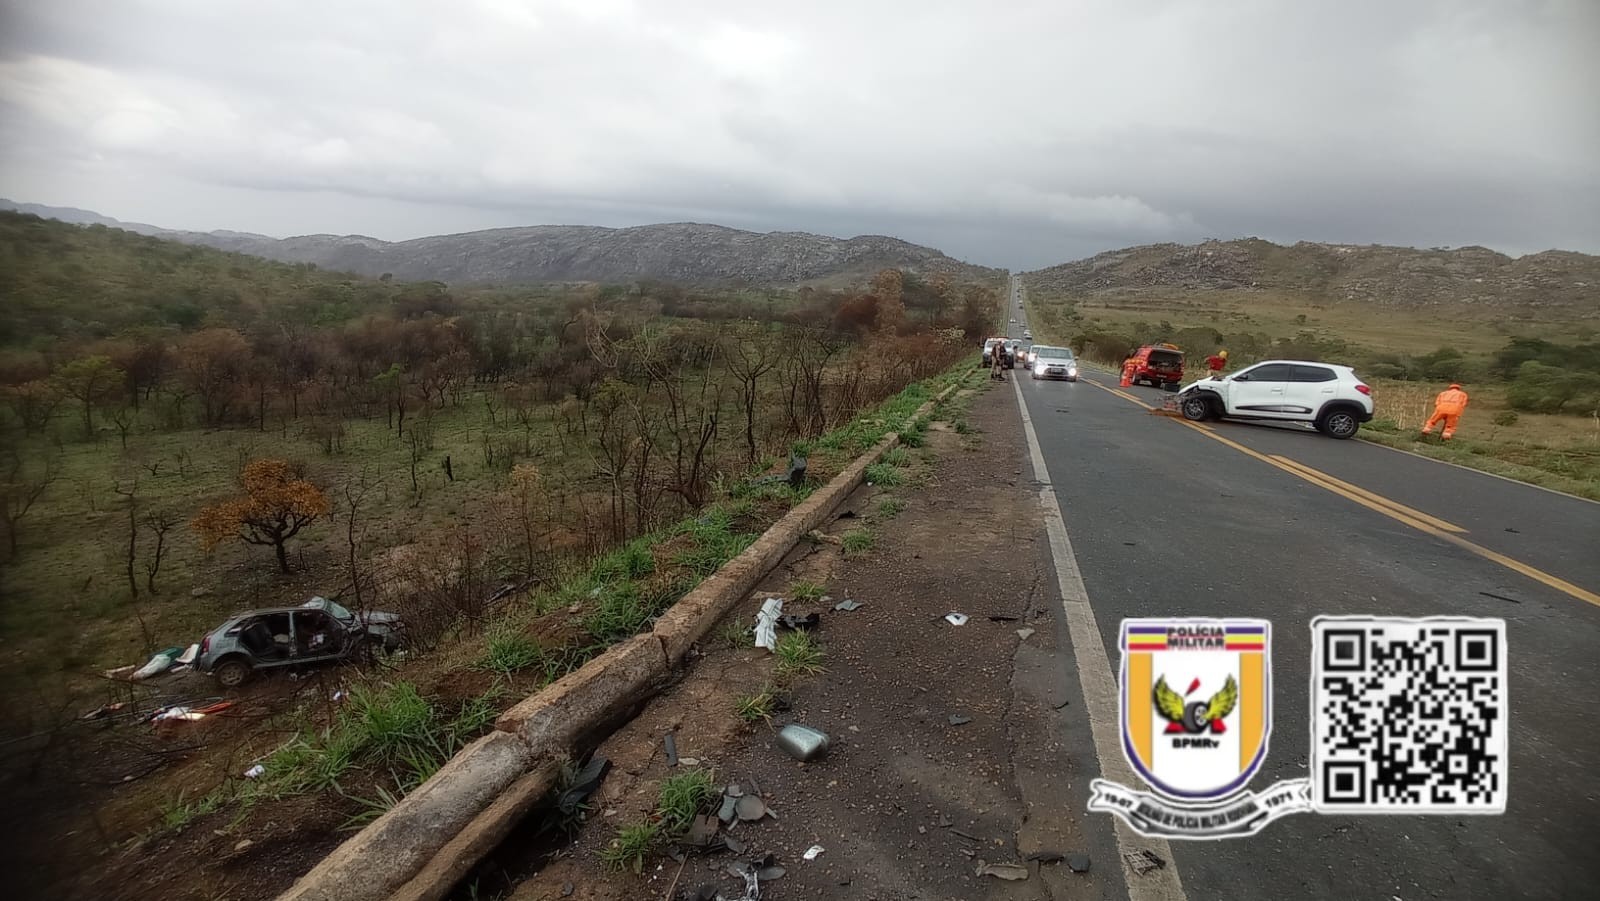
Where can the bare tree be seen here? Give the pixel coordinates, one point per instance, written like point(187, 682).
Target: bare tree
point(355, 496)
point(20, 490)
point(754, 349)
point(159, 523)
point(130, 490)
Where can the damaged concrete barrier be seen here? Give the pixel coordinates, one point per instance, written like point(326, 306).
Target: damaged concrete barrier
point(424, 845)
point(380, 858)
point(558, 718)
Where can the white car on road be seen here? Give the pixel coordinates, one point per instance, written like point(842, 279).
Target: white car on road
point(1329, 397)
point(1046, 362)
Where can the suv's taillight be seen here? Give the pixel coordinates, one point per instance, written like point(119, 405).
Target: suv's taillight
point(1363, 389)
point(205, 644)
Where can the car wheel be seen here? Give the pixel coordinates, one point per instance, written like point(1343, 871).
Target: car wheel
point(1340, 424)
point(1195, 409)
point(231, 673)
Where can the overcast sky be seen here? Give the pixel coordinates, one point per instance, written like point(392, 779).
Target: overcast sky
point(1012, 133)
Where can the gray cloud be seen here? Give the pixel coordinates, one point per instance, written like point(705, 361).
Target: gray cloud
point(1016, 134)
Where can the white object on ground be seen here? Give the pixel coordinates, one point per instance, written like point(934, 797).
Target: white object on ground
point(956, 619)
point(254, 771)
point(812, 852)
point(188, 656)
point(158, 664)
point(767, 623)
point(1024, 632)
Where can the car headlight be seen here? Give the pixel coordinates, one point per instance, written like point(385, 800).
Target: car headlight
point(1039, 368)
point(1072, 370)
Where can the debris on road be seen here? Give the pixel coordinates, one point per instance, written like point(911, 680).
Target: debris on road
point(1047, 856)
point(1024, 633)
point(1014, 872)
point(255, 771)
point(848, 605)
point(957, 719)
point(1143, 861)
point(702, 831)
point(808, 623)
point(670, 744)
point(767, 623)
point(1003, 618)
point(813, 852)
point(583, 785)
point(750, 808)
point(1499, 597)
point(803, 743)
point(689, 761)
point(821, 538)
point(1078, 863)
point(956, 619)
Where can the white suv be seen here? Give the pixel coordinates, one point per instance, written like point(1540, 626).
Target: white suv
point(1330, 397)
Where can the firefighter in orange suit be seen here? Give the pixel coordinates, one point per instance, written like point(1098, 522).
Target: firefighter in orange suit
point(1447, 408)
point(1128, 367)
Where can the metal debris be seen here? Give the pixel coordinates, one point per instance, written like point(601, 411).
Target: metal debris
point(848, 605)
point(750, 808)
point(813, 851)
point(671, 744)
point(803, 743)
point(1142, 861)
point(1015, 872)
point(956, 619)
point(702, 831)
point(957, 719)
point(1078, 863)
point(766, 628)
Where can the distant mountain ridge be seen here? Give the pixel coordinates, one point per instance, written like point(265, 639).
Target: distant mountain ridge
point(676, 252)
point(1375, 273)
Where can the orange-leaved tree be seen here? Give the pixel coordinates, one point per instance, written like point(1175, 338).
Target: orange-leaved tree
point(277, 503)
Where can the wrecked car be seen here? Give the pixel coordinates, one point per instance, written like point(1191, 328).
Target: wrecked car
point(316, 632)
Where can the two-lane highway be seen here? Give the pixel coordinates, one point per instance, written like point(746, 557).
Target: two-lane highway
point(1167, 519)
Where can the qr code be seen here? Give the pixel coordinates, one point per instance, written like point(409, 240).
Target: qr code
point(1408, 715)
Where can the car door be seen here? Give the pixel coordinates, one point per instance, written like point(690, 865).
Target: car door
point(317, 636)
point(1309, 387)
point(1259, 391)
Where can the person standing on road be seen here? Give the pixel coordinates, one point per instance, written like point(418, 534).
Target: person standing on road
point(997, 370)
point(1447, 408)
point(1216, 363)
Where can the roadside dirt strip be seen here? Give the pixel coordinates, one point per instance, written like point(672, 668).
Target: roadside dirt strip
point(423, 845)
point(946, 741)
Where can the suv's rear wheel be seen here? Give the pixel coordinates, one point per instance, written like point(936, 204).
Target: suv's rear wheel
point(1339, 424)
point(1195, 409)
point(231, 673)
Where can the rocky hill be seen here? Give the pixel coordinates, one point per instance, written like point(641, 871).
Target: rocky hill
point(678, 252)
point(1378, 274)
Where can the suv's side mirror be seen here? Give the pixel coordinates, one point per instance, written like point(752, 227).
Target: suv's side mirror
point(1242, 377)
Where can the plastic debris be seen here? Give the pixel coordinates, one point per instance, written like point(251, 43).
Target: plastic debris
point(767, 874)
point(1014, 872)
point(255, 771)
point(957, 719)
point(671, 745)
point(813, 852)
point(689, 761)
point(956, 619)
point(767, 623)
point(1024, 632)
point(808, 623)
point(189, 655)
point(750, 808)
point(584, 784)
point(803, 743)
point(157, 664)
point(729, 808)
point(848, 605)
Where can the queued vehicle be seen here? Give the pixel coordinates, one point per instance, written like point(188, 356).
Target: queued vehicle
point(1331, 398)
point(1159, 366)
point(1050, 362)
point(316, 632)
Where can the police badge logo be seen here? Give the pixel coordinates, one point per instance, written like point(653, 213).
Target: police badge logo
point(1196, 704)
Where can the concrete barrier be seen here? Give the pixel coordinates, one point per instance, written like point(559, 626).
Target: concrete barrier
point(425, 844)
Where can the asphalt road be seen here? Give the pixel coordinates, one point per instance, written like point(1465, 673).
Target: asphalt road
point(1167, 521)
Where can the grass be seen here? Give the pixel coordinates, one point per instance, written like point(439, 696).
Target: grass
point(798, 655)
point(756, 706)
point(859, 542)
point(620, 611)
point(630, 848)
point(963, 427)
point(886, 475)
point(806, 590)
point(681, 798)
point(178, 812)
point(889, 506)
point(895, 456)
point(734, 634)
point(508, 650)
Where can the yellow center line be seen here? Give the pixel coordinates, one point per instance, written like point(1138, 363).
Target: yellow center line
point(1400, 508)
point(1422, 522)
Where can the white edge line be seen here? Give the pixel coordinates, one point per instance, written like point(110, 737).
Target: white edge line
point(1492, 475)
point(1099, 687)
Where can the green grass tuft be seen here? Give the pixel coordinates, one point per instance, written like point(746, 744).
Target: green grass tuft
point(630, 848)
point(681, 798)
point(798, 655)
point(757, 706)
point(619, 612)
point(858, 542)
point(885, 475)
point(507, 650)
point(805, 590)
point(889, 506)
